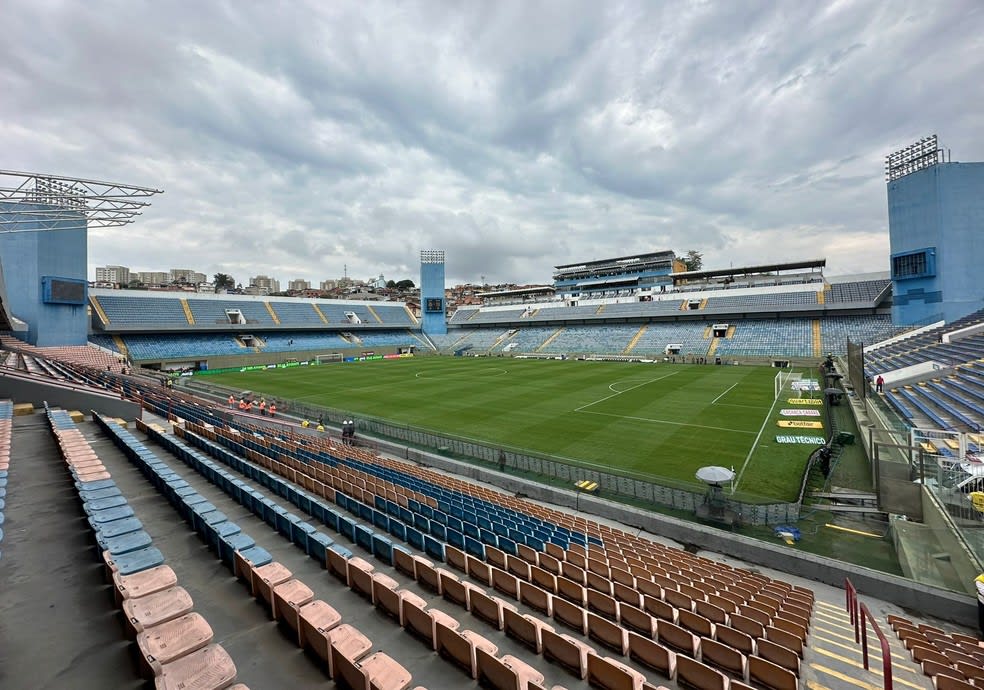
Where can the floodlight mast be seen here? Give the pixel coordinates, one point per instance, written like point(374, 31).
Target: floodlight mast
point(924, 153)
point(39, 202)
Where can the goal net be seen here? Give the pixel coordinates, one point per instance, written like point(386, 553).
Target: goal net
point(333, 357)
point(782, 381)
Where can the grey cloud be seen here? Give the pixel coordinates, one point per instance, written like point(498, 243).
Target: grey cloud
point(311, 138)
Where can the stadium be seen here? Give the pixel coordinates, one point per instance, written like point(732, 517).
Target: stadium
point(640, 476)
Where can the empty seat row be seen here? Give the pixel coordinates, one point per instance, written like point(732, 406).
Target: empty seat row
point(953, 660)
point(313, 623)
point(174, 643)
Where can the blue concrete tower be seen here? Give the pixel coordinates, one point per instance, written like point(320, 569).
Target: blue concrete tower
point(936, 231)
point(432, 307)
point(44, 266)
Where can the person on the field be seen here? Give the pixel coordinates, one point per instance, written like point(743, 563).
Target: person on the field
point(879, 383)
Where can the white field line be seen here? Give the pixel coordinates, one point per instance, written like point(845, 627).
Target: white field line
point(666, 421)
point(725, 393)
point(631, 388)
point(768, 415)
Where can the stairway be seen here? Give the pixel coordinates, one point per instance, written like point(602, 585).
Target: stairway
point(635, 340)
point(273, 314)
point(94, 301)
point(549, 340)
point(187, 310)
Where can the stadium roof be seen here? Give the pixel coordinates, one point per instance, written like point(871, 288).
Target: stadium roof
point(745, 270)
point(637, 258)
point(38, 201)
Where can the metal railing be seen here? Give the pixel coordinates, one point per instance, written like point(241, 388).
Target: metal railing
point(860, 618)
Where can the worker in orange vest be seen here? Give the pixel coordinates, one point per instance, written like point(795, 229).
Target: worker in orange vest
point(232, 401)
point(249, 407)
point(263, 407)
point(272, 410)
point(242, 405)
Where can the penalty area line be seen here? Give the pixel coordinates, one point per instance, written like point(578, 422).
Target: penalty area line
point(666, 421)
point(725, 393)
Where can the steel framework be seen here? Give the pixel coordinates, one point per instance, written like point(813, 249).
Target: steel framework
point(36, 202)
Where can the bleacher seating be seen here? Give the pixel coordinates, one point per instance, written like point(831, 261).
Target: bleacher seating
point(769, 337)
point(775, 300)
point(526, 339)
point(402, 338)
point(171, 640)
point(856, 291)
point(393, 315)
point(296, 313)
point(591, 340)
point(835, 331)
point(335, 312)
point(128, 310)
point(213, 311)
point(172, 346)
point(106, 342)
point(658, 335)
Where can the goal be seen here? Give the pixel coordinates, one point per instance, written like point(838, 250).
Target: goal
point(780, 382)
point(333, 357)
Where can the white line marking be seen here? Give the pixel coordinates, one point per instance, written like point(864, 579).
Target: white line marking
point(666, 421)
point(725, 393)
point(608, 397)
point(734, 487)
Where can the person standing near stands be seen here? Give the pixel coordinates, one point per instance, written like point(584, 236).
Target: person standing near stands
point(272, 410)
point(263, 407)
point(879, 383)
point(979, 583)
point(232, 401)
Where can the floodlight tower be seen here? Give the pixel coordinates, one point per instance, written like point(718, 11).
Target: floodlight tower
point(44, 224)
point(432, 307)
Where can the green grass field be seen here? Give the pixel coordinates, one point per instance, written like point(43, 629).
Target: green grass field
point(644, 420)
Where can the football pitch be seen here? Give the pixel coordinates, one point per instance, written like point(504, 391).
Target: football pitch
point(647, 421)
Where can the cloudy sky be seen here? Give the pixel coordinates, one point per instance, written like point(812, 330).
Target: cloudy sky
point(296, 139)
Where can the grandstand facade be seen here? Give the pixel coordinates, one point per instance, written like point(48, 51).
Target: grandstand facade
point(615, 277)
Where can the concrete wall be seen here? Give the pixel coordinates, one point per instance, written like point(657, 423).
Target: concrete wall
point(258, 358)
point(36, 392)
point(27, 256)
point(940, 209)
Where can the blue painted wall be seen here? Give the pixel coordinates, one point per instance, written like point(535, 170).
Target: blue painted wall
point(941, 209)
point(432, 287)
point(29, 254)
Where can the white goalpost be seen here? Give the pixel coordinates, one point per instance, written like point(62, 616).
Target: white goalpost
point(333, 357)
point(780, 382)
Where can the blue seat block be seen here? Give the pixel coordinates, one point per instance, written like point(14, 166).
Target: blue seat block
point(96, 485)
point(232, 543)
point(317, 509)
point(379, 503)
point(455, 524)
point(268, 512)
point(284, 521)
point(484, 523)
point(341, 550)
point(103, 503)
point(455, 538)
point(256, 555)
point(438, 531)
point(303, 500)
point(421, 523)
point(471, 530)
point(316, 545)
point(331, 518)
point(406, 516)
point(124, 543)
point(364, 511)
point(398, 530)
point(426, 511)
point(489, 537)
point(137, 561)
point(211, 518)
point(115, 528)
point(382, 548)
point(475, 547)
point(215, 532)
point(434, 548)
point(110, 514)
point(531, 542)
point(189, 510)
point(415, 538)
point(96, 494)
point(380, 520)
point(346, 527)
point(363, 537)
point(300, 532)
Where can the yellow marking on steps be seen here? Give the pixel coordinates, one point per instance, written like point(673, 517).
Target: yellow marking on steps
point(854, 531)
point(635, 339)
point(872, 664)
point(876, 650)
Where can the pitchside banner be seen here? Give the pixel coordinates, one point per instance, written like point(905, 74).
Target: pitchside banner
point(800, 413)
point(805, 401)
point(805, 385)
point(790, 424)
point(804, 440)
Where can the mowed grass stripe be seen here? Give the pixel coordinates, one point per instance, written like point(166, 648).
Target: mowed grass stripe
point(654, 420)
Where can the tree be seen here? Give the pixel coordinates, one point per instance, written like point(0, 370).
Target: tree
point(405, 285)
point(694, 260)
point(223, 280)
point(391, 284)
